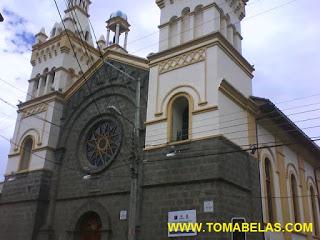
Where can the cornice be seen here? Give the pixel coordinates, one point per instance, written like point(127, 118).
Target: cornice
point(211, 39)
point(108, 55)
point(237, 97)
point(54, 96)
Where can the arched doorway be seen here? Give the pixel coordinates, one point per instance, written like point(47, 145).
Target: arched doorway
point(89, 227)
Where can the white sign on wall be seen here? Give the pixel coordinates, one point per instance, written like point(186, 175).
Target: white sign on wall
point(208, 206)
point(189, 216)
point(123, 215)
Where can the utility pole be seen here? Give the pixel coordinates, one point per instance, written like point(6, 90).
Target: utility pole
point(135, 162)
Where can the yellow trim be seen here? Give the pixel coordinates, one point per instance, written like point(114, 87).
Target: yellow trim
point(151, 148)
point(272, 179)
point(283, 188)
point(169, 114)
point(209, 40)
point(304, 192)
point(237, 97)
point(22, 150)
point(155, 121)
point(162, 106)
point(204, 110)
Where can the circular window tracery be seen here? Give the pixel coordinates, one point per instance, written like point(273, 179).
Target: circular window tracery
point(103, 143)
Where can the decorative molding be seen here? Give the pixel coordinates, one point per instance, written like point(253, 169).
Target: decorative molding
point(209, 40)
point(204, 110)
point(237, 97)
point(182, 60)
point(33, 110)
point(155, 121)
point(163, 145)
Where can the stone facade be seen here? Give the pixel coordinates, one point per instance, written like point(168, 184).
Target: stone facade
point(201, 171)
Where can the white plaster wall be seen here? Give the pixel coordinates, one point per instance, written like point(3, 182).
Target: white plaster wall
point(44, 133)
point(210, 22)
point(191, 75)
point(230, 71)
point(156, 134)
point(176, 9)
point(152, 93)
point(233, 121)
point(205, 124)
point(201, 81)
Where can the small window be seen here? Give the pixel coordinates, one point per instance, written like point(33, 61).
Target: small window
point(180, 119)
point(295, 200)
point(26, 150)
point(269, 191)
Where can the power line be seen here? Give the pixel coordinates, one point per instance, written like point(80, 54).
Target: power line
point(214, 129)
point(216, 18)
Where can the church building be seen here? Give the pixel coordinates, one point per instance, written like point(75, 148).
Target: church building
point(112, 146)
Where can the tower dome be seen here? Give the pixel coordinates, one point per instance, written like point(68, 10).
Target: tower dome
point(119, 14)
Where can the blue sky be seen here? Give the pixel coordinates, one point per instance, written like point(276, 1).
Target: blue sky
point(281, 38)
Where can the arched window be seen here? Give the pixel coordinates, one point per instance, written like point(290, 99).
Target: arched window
point(26, 150)
point(269, 191)
point(295, 200)
point(180, 119)
point(314, 212)
point(198, 21)
point(185, 26)
point(89, 227)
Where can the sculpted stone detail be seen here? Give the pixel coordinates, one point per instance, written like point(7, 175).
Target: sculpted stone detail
point(35, 110)
point(195, 56)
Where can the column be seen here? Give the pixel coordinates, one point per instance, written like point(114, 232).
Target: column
point(230, 34)
point(117, 33)
point(178, 33)
point(48, 82)
point(108, 37)
point(223, 28)
point(191, 26)
point(41, 79)
point(125, 41)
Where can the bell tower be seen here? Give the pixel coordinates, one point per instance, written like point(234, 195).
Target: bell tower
point(54, 70)
point(118, 24)
point(199, 74)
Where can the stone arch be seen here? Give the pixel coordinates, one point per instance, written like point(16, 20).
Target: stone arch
point(95, 207)
point(291, 169)
point(190, 90)
point(33, 133)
